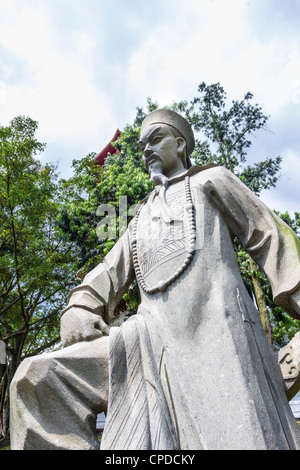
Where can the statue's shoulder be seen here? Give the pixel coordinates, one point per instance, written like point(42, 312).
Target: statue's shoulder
point(211, 171)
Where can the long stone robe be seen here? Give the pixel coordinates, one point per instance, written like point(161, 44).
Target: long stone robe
point(193, 369)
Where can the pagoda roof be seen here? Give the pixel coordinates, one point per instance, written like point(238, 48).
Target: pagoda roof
point(100, 159)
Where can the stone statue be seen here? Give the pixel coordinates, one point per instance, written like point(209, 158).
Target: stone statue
point(2, 353)
point(289, 360)
point(192, 369)
point(2, 359)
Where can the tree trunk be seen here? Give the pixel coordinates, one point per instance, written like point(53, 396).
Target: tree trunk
point(260, 301)
point(3, 400)
point(10, 370)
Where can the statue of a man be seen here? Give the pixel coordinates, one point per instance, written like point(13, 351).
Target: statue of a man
point(193, 368)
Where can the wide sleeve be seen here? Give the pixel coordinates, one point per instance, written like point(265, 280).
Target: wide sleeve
point(267, 239)
point(103, 287)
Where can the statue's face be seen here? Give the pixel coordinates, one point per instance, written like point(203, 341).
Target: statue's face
point(162, 150)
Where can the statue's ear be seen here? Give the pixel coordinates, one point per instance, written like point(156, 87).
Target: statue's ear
point(181, 143)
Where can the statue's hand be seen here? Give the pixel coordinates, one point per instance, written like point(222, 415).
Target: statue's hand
point(78, 325)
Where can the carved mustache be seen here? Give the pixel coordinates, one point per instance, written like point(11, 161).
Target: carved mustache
point(153, 156)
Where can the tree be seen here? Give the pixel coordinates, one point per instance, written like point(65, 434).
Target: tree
point(36, 262)
point(229, 132)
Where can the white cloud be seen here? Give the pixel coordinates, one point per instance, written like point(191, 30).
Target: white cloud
point(81, 68)
point(285, 196)
point(27, 36)
point(185, 49)
point(62, 98)
point(213, 41)
point(57, 88)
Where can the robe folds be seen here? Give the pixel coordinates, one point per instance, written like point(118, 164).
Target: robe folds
point(193, 368)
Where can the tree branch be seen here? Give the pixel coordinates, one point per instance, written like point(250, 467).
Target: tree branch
point(42, 348)
point(221, 145)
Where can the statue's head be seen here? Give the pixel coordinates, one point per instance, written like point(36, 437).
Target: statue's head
point(167, 141)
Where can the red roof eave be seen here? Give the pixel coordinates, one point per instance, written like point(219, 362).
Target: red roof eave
point(100, 159)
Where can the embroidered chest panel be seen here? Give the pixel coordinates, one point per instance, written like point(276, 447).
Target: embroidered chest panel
point(160, 243)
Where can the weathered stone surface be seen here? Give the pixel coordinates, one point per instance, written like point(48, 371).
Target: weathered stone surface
point(56, 397)
point(2, 353)
point(193, 369)
point(289, 360)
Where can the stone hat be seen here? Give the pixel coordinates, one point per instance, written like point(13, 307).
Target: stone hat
point(173, 119)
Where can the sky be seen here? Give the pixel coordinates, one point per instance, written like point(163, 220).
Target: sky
point(82, 67)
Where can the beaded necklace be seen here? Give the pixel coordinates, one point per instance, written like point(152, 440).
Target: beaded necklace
point(162, 285)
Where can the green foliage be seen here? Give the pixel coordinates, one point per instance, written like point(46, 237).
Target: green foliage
point(36, 263)
point(76, 218)
point(32, 255)
point(229, 130)
point(283, 326)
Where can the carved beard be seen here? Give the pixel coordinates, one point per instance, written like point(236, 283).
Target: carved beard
point(156, 172)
